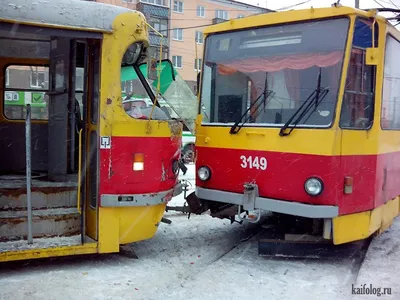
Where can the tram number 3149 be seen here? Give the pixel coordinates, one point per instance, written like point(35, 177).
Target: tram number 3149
point(253, 162)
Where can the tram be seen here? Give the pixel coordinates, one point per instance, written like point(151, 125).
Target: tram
point(79, 174)
point(300, 117)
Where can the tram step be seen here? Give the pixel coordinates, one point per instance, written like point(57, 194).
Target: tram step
point(44, 243)
point(45, 223)
point(14, 199)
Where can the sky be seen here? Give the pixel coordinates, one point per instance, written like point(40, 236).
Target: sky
point(279, 4)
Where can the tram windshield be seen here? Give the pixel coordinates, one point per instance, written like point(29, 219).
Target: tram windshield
point(289, 60)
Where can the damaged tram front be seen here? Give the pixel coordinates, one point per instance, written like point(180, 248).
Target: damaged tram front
point(81, 172)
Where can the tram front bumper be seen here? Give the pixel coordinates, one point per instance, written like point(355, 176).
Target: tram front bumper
point(251, 200)
point(178, 189)
point(149, 199)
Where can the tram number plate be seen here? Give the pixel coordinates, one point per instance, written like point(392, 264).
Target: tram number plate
point(253, 162)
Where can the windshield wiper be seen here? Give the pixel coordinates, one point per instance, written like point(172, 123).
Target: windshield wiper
point(236, 127)
point(317, 95)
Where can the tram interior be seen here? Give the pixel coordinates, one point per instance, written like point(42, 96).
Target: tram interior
point(46, 68)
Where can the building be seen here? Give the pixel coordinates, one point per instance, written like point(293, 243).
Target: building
point(182, 22)
point(188, 19)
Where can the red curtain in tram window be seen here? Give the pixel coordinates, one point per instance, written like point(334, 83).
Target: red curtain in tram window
point(279, 63)
point(224, 70)
point(292, 78)
point(257, 87)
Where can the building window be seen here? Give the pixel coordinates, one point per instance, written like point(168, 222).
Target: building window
point(129, 1)
point(160, 25)
point(29, 86)
point(240, 16)
point(164, 52)
point(201, 11)
point(197, 64)
point(199, 37)
point(178, 6)
point(178, 34)
point(37, 78)
point(7, 79)
point(156, 2)
point(221, 14)
point(177, 61)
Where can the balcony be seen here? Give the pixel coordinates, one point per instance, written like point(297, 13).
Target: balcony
point(218, 20)
point(155, 40)
point(153, 10)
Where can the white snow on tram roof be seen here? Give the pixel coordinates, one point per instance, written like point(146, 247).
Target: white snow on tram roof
point(71, 13)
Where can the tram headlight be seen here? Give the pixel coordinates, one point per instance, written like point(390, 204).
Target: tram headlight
point(313, 186)
point(132, 54)
point(204, 173)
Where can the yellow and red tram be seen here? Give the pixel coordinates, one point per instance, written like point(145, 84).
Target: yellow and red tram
point(80, 175)
point(300, 116)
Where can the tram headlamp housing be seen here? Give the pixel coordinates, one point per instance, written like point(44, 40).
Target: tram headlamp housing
point(132, 54)
point(204, 173)
point(314, 186)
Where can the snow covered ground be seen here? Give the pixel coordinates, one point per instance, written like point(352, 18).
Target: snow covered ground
point(202, 258)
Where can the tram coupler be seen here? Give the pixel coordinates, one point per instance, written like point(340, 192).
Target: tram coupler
point(184, 209)
point(196, 206)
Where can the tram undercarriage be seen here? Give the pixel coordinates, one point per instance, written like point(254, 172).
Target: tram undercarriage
point(282, 235)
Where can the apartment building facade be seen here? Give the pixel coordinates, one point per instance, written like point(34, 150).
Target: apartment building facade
point(182, 23)
point(188, 19)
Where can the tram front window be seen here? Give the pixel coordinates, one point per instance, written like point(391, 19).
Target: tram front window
point(286, 60)
point(138, 91)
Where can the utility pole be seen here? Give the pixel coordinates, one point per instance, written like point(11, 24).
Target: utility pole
point(357, 3)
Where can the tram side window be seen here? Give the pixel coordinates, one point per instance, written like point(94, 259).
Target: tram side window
point(26, 85)
point(390, 113)
point(358, 102)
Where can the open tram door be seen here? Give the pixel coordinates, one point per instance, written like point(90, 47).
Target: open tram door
point(74, 84)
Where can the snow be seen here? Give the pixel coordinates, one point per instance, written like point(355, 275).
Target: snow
point(382, 263)
point(190, 177)
point(202, 258)
point(41, 243)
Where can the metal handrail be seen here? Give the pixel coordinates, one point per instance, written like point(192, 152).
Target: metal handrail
point(28, 172)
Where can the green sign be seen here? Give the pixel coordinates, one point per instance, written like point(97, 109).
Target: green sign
point(17, 98)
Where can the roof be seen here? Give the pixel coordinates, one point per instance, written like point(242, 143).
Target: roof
point(67, 13)
point(242, 4)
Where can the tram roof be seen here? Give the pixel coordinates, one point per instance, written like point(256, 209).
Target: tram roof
point(75, 14)
point(282, 17)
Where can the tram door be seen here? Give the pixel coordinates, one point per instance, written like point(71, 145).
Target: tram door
point(91, 138)
point(73, 109)
point(60, 91)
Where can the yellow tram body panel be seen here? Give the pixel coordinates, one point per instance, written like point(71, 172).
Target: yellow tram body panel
point(88, 248)
point(373, 149)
